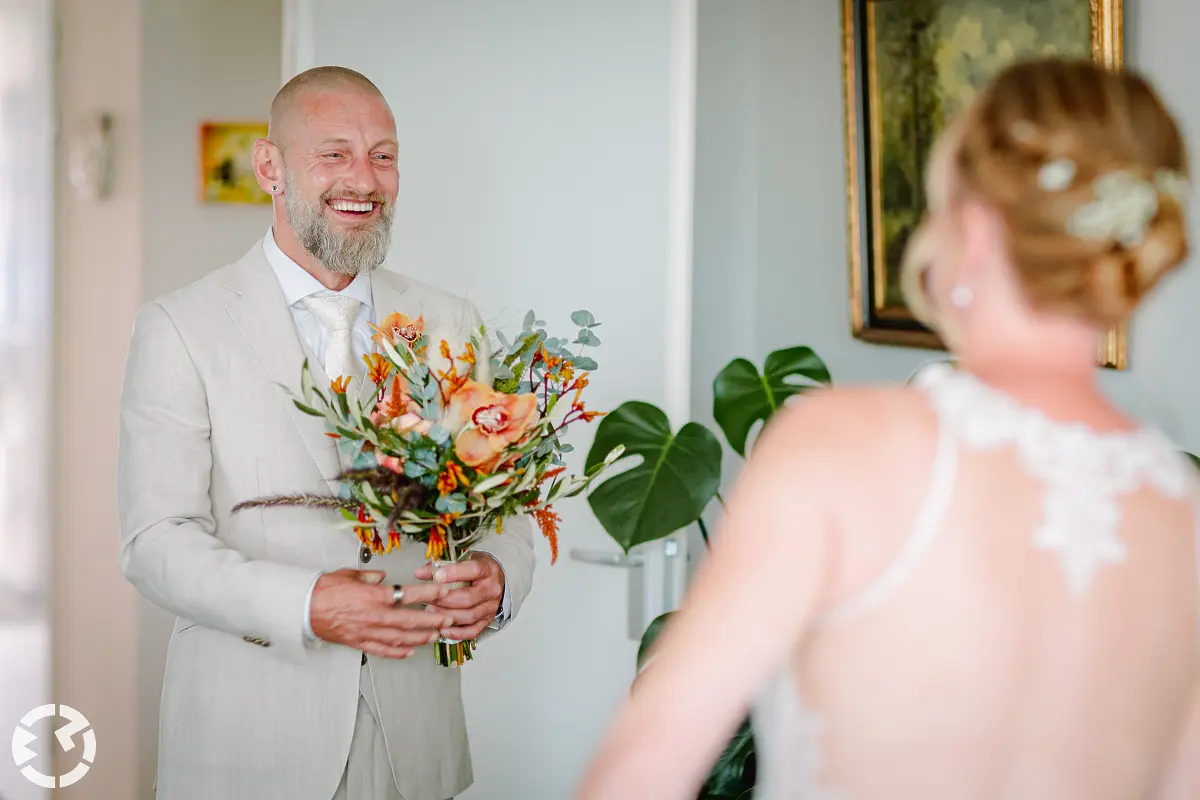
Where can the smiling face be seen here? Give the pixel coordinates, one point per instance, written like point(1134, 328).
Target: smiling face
point(335, 149)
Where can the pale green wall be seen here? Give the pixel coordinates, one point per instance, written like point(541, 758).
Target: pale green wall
point(770, 211)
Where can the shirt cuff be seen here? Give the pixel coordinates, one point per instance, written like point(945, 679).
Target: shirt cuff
point(310, 638)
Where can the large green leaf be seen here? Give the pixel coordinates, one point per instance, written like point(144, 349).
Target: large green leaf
point(650, 636)
point(734, 774)
point(679, 475)
point(742, 397)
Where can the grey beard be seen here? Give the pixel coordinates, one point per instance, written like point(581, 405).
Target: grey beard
point(349, 253)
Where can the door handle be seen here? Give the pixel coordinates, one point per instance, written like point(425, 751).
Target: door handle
point(606, 558)
point(644, 589)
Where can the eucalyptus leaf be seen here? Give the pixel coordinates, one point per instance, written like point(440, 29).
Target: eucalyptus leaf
point(530, 319)
point(587, 338)
point(677, 478)
point(584, 363)
point(438, 433)
point(502, 339)
point(583, 319)
point(742, 397)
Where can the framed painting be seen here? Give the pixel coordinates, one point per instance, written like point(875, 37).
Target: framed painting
point(226, 175)
point(910, 66)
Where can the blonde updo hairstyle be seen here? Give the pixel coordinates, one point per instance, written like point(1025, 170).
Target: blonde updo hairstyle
point(1032, 147)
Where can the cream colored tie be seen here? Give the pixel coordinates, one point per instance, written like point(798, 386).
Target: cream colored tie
point(337, 313)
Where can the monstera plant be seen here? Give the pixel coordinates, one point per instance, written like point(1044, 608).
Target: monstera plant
point(674, 477)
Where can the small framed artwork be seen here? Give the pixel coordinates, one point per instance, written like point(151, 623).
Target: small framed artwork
point(910, 66)
point(226, 175)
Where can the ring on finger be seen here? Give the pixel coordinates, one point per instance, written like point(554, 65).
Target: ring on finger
point(397, 594)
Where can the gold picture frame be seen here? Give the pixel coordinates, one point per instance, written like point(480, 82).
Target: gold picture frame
point(226, 174)
point(870, 27)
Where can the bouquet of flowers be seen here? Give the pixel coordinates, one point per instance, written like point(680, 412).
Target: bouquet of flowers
point(441, 457)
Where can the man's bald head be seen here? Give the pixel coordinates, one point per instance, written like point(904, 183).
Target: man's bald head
point(311, 82)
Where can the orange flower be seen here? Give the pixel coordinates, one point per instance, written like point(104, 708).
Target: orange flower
point(399, 327)
point(451, 478)
point(553, 473)
point(489, 422)
point(548, 521)
point(468, 354)
point(437, 543)
point(367, 535)
point(340, 384)
point(393, 540)
point(378, 367)
point(394, 403)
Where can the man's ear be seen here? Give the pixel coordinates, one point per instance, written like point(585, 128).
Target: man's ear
point(268, 166)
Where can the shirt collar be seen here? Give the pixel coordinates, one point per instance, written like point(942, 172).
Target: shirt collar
point(297, 284)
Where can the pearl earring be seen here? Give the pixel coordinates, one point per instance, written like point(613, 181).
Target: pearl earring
point(961, 297)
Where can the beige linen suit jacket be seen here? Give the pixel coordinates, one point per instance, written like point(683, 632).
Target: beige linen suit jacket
point(249, 712)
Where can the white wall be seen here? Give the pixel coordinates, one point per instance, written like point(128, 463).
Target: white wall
point(202, 60)
point(535, 148)
point(772, 99)
point(98, 279)
point(161, 67)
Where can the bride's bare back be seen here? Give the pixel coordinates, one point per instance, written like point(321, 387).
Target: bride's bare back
point(1013, 614)
point(940, 593)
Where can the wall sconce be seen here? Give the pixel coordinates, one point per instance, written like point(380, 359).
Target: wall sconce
point(90, 155)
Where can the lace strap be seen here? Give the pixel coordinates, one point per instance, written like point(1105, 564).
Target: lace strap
point(925, 530)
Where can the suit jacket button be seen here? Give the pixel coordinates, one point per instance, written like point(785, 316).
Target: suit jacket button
point(364, 554)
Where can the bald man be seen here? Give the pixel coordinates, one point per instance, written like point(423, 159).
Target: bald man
point(292, 672)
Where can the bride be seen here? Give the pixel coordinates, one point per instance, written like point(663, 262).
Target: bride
point(984, 586)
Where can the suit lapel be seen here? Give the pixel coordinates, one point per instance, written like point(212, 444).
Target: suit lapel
point(259, 311)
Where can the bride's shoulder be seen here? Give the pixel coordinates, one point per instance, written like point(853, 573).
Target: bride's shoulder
point(861, 417)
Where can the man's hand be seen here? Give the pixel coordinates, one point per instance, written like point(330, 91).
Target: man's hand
point(350, 607)
point(473, 606)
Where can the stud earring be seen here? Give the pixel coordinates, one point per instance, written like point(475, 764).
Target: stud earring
point(961, 297)
point(274, 188)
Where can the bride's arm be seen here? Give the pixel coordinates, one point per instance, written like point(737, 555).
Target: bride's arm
point(742, 620)
point(1182, 780)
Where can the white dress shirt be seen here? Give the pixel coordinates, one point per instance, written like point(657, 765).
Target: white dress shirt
point(297, 284)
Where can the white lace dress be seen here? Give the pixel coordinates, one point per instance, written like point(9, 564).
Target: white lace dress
point(1084, 473)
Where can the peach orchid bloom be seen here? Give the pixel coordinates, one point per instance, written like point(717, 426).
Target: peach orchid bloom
point(399, 327)
point(394, 463)
point(489, 422)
